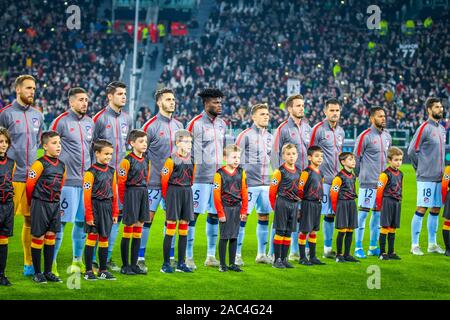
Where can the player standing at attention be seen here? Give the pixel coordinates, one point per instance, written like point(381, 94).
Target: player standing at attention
point(256, 145)
point(311, 193)
point(75, 129)
point(177, 177)
point(284, 197)
point(160, 131)
point(428, 144)
point(133, 176)
point(231, 202)
point(114, 125)
point(370, 150)
point(7, 169)
point(45, 180)
point(446, 199)
point(389, 201)
point(24, 124)
point(328, 135)
point(208, 132)
point(101, 208)
point(297, 131)
point(342, 197)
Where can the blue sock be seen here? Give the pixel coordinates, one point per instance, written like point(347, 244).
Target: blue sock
point(145, 235)
point(78, 239)
point(272, 235)
point(190, 240)
point(241, 237)
point(374, 228)
point(59, 238)
point(359, 234)
point(262, 232)
point(94, 258)
point(113, 237)
point(416, 227)
point(294, 241)
point(432, 226)
point(212, 228)
point(172, 248)
point(328, 229)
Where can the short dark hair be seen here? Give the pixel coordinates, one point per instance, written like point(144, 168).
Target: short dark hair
point(259, 106)
point(210, 93)
point(374, 110)
point(102, 143)
point(430, 101)
point(5, 132)
point(47, 135)
point(112, 87)
point(180, 134)
point(313, 149)
point(74, 91)
point(20, 79)
point(159, 93)
point(136, 134)
point(290, 100)
point(332, 101)
point(344, 155)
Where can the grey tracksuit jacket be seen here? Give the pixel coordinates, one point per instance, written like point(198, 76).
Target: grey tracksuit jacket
point(76, 143)
point(161, 144)
point(331, 141)
point(427, 151)
point(289, 132)
point(115, 128)
point(24, 124)
point(256, 146)
point(209, 140)
point(370, 150)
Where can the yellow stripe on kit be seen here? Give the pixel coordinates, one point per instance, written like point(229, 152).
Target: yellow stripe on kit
point(103, 244)
point(3, 241)
point(90, 243)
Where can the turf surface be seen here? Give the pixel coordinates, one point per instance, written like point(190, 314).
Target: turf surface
point(413, 277)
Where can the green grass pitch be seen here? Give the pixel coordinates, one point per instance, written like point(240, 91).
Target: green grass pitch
point(424, 277)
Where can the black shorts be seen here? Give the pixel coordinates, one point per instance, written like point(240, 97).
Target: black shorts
point(7, 219)
point(285, 218)
point(103, 219)
point(390, 213)
point(179, 203)
point(310, 216)
point(135, 206)
point(45, 217)
point(346, 215)
point(230, 228)
point(447, 207)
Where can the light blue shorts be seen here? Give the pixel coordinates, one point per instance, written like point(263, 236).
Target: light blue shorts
point(429, 194)
point(72, 204)
point(203, 198)
point(366, 198)
point(154, 199)
point(259, 197)
point(326, 202)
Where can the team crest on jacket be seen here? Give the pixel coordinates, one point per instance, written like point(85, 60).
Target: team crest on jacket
point(387, 144)
point(36, 123)
point(124, 129)
point(89, 132)
point(339, 140)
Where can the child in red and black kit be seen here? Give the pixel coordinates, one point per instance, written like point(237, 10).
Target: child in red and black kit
point(7, 168)
point(101, 208)
point(44, 182)
point(311, 193)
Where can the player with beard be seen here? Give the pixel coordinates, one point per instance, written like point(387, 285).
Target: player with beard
point(297, 131)
point(208, 132)
point(114, 125)
point(427, 154)
point(75, 129)
point(370, 150)
point(24, 124)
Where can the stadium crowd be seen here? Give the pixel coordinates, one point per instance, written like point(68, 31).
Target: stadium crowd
point(250, 50)
point(42, 45)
